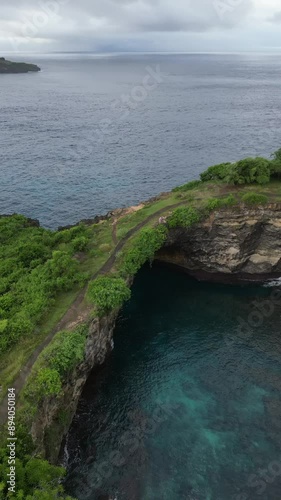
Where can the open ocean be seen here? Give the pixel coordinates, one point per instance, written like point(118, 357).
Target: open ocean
point(92, 133)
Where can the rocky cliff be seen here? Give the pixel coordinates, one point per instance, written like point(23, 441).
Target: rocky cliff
point(56, 414)
point(238, 244)
point(232, 245)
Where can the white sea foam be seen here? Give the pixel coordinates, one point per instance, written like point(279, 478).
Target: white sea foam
point(65, 453)
point(273, 283)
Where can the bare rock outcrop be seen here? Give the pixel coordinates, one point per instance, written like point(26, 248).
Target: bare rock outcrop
point(232, 245)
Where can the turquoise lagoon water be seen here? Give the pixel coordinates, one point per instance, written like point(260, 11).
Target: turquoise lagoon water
point(188, 404)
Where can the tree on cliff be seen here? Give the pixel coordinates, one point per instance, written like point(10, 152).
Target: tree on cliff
point(275, 165)
point(250, 171)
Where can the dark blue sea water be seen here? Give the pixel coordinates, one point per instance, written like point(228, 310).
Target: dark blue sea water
point(188, 406)
point(82, 137)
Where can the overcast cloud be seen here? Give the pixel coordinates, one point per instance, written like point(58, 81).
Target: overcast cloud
point(115, 25)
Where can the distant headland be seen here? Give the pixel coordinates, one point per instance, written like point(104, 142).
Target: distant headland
point(7, 67)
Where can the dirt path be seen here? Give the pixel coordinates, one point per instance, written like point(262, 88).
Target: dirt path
point(73, 313)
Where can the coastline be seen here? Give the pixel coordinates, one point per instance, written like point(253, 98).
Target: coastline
point(76, 280)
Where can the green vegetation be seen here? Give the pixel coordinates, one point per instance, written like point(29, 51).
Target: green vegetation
point(13, 67)
point(275, 165)
point(108, 293)
point(184, 217)
point(12, 361)
point(35, 266)
point(254, 199)
point(53, 365)
point(143, 249)
point(36, 478)
point(247, 171)
point(216, 172)
point(250, 171)
point(218, 203)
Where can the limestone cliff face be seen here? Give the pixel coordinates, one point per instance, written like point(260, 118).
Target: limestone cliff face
point(56, 414)
point(231, 245)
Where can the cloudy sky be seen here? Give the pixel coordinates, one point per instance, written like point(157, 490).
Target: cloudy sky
point(140, 25)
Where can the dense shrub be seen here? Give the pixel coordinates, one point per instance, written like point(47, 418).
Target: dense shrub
point(216, 172)
point(3, 325)
point(36, 479)
point(277, 155)
point(143, 249)
point(275, 165)
point(108, 293)
point(213, 204)
point(30, 252)
point(250, 171)
point(35, 265)
point(18, 326)
point(69, 235)
point(80, 243)
point(60, 357)
point(41, 471)
point(254, 199)
point(247, 171)
point(13, 227)
point(275, 169)
point(32, 474)
point(187, 187)
point(48, 382)
point(66, 351)
point(61, 272)
point(32, 295)
point(45, 383)
point(184, 217)
point(229, 200)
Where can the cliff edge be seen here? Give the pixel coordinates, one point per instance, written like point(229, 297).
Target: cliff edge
point(233, 245)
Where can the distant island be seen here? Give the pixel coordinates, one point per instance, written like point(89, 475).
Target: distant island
point(7, 67)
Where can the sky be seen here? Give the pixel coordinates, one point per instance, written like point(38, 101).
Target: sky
point(140, 25)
